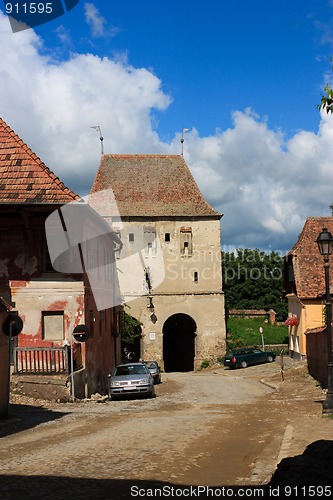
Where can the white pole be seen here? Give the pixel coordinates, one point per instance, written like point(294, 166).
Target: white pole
point(72, 367)
point(261, 330)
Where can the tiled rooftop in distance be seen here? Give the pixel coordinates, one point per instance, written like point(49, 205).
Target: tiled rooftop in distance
point(307, 261)
point(152, 186)
point(24, 178)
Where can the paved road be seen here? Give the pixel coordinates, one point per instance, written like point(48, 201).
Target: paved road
point(216, 427)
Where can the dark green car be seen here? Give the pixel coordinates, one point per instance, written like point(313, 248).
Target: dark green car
point(246, 356)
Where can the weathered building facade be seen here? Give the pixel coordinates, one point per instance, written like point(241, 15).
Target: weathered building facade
point(50, 303)
point(304, 287)
point(169, 266)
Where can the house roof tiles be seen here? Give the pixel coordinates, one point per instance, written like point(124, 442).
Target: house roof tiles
point(151, 186)
point(24, 178)
point(307, 261)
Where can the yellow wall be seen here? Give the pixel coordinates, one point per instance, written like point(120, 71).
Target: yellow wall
point(310, 314)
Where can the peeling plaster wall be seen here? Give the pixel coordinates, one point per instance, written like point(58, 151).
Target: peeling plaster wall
point(33, 297)
point(26, 280)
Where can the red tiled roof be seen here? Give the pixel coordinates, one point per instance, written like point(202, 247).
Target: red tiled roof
point(307, 261)
point(151, 186)
point(24, 178)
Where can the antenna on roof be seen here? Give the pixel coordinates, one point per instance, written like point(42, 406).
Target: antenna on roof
point(98, 128)
point(182, 139)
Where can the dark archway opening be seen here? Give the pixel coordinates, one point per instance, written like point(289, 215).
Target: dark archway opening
point(179, 343)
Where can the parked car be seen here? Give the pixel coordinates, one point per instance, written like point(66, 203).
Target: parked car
point(155, 371)
point(241, 358)
point(131, 379)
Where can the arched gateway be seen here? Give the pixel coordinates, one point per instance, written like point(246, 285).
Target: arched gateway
point(179, 332)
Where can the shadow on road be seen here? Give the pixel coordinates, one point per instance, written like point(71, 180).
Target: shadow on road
point(312, 468)
point(62, 488)
point(22, 417)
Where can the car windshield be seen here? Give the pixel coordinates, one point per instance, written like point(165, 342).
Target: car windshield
point(130, 370)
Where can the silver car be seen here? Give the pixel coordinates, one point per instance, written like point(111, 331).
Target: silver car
point(131, 379)
point(155, 371)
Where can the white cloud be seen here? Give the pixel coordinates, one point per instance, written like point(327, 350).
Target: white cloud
point(264, 184)
point(53, 105)
point(97, 23)
point(94, 19)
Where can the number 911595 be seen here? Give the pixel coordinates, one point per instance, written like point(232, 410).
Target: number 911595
point(28, 8)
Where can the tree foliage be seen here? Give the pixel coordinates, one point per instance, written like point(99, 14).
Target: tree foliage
point(327, 100)
point(252, 279)
point(131, 329)
point(327, 105)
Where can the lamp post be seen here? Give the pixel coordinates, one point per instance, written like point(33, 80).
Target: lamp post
point(325, 245)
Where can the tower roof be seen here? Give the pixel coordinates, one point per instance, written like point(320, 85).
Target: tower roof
point(152, 186)
point(24, 178)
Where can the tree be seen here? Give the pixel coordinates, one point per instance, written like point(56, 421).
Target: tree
point(252, 279)
point(327, 105)
point(327, 100)
point(131, 329)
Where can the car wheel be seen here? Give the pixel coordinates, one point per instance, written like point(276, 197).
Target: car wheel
point(243, 364)
point(270, 359)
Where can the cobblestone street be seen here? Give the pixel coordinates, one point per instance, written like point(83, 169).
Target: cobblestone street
point(215, 427)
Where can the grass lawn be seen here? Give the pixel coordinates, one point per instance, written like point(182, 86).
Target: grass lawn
point(245, 332)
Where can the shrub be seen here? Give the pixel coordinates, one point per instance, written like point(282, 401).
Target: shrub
point(204, 363)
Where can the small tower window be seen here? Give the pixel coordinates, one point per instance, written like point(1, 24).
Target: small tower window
point(149, 235)
point(131, 237)
point(185, 241)
point(196, 277)
point(167, 237)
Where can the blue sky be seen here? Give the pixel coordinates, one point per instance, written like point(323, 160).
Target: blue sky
point(245, 77)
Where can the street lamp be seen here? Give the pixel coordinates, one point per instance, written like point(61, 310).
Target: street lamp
point(325, 245)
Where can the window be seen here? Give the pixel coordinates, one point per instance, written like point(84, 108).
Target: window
point(167, 237)
point(196, 277)
point(149, 235)
point(65, 259)
point(91, 257)
point(53, 325)
point(185, 241)
point(131, 237)
point(101, 322)
point(118, 248)
point(291, 275)
point(48, 268)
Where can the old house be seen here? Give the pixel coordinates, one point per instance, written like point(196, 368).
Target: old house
point(170, 269)
point(305, 288)
point(50, 303)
